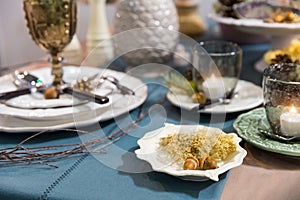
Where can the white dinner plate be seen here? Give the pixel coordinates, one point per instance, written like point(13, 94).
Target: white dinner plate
point(248, 96)
point(25, 119)
point(149, 151)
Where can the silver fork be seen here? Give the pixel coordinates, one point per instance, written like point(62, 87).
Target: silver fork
point(96, 78)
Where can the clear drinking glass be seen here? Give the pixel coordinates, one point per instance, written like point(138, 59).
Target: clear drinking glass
point(217, 67)
point(52, 24)
point(281, 87)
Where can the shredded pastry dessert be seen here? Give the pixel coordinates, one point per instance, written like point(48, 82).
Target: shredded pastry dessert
point(204, 147)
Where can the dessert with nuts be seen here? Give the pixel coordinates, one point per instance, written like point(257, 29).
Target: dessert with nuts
point(201, 150)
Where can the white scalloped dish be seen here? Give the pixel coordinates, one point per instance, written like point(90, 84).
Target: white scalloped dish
point(149, 151)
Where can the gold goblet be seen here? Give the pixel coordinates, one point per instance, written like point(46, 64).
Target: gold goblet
point(52, 24)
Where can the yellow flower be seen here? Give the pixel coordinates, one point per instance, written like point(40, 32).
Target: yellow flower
point(269, 55)
point(293, 50)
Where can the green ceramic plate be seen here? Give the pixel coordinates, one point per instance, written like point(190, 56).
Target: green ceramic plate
point(248, 125)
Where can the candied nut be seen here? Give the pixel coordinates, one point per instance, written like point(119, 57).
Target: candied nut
point(51, 93)
point(290, 16)
point(191, 163)
point(279, 18)
point(201, 161)
point(210, 163)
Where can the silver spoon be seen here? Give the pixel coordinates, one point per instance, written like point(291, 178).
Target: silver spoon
point(279, 137)
point(28, 86)
point(29, 78)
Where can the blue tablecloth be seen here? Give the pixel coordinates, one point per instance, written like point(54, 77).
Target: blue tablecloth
point(85, 177)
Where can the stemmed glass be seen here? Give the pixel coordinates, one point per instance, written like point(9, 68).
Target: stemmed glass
point(52, 24)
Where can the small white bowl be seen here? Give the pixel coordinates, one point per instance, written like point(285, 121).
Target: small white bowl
point(148, 151)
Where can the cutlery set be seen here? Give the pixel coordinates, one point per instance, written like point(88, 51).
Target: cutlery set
point(89, 83)
point(28, 83)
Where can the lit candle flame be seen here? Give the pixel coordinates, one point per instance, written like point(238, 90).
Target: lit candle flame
point(293, 110)
point(214, 78)
point(290, 122)
point(213, 87)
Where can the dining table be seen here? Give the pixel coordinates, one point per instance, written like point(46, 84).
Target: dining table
point(115, 172)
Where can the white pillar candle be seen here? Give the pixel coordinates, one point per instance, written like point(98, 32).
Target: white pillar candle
point(290, 123)
point(213, 87)
point(98, 39)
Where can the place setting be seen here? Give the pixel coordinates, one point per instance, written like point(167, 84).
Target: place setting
point(61, 112)
point(213, 85)
point(62, 96)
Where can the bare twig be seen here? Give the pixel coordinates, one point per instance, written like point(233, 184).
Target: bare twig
point(46, 154)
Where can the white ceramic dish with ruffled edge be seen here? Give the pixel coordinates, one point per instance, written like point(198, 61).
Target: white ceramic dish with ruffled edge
point(148, 151)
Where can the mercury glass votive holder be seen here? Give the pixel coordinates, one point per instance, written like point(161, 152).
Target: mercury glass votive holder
point(281, 88)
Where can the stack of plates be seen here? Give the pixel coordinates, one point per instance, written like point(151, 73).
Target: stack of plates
point(34, 113)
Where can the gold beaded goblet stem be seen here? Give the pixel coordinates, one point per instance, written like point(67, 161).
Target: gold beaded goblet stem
point(57, 71)
point(52, 24)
